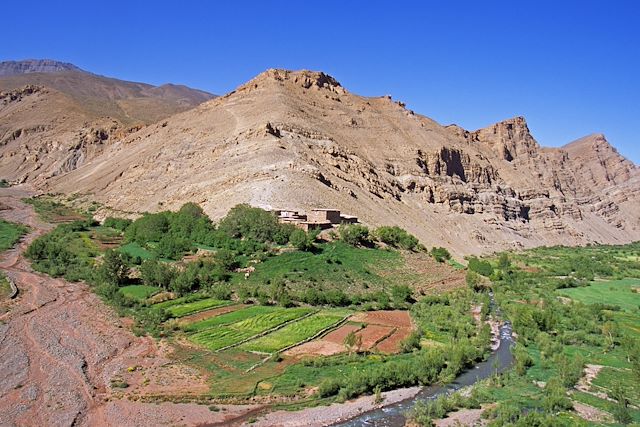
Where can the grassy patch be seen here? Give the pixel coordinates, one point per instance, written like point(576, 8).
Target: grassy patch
point(228, 318)
point(614, 292)
point(608, 378)
point(135, 250)
point(139, 292)
point(10, 234)
point(223, 336)
point(295, 332)
point(336, 264)
point(180, 310)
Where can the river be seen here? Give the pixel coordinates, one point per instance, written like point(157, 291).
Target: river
point(393, 415)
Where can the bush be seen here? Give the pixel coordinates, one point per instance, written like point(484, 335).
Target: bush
point(355, 235)
point(302, 240)
point(117, 223)
point(440, 254)
point(396, 237)
point(481, 267)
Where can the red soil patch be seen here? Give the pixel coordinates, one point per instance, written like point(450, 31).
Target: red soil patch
point(316, 348)
point(372, 334)
point(211, 313)
point(392, 344)
point(340, 334)
point(396, 318)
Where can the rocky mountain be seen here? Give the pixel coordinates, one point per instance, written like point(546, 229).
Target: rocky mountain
point(55, 116)
point(300, 140)
point(10, 68)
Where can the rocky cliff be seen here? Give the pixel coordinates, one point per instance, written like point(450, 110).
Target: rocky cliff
point(299, 139)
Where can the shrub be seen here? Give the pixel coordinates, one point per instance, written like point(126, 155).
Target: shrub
point(117, 223)
point(440, 254)
point(481, 267)
point(355, 235)
point(302, 240)
point(396, 237)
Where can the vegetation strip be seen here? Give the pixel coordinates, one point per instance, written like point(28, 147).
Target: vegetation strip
point(316, 335)
point(268, 331)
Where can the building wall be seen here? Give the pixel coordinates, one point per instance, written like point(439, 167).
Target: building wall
point(332, 216)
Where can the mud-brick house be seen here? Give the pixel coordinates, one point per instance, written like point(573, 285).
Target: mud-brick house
point(331, 216)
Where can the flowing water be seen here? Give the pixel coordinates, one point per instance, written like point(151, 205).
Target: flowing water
point(394, 415)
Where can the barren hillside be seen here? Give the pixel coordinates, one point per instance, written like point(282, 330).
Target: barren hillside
point(300, 140)
point(54, 116)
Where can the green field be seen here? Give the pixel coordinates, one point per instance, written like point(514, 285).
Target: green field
point(135, 250)
point(139, 292)
point(295, 332)
point(228, 318)
point(181, 310)
point(10, 234)
point(336, 263)
point(613, 292)
point(223, 336)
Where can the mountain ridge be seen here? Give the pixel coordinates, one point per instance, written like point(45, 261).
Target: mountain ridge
point(299, 139)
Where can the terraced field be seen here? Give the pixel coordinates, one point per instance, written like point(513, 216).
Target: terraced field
point(177, 308)
point(228, 318)
point(295, 332)
point(223, 336)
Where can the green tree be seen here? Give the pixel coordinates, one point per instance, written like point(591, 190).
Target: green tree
point(226, 259)
point(244, 221)
point(401, 294)
point(114, 269)
point(156, 273)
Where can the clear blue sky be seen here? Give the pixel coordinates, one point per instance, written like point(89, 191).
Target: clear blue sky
point(570, 67)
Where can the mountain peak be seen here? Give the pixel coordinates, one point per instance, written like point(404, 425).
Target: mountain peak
point(10, 68)
point(304, 78)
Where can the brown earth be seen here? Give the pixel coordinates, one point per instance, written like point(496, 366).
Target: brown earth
point(63, 350)
point(337, 336)
point(372, 334)
point(398, 318)
point(392, 344)
point(383, 330)
point(299, 139)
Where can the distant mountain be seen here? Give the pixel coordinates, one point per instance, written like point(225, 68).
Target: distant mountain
point(301, 140)
point(55, 116)
point(11, 68)
point(128, 102)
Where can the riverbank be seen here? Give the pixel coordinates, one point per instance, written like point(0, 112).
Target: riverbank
point(337, 412)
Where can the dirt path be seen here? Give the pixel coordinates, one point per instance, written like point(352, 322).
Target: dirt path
point(60, 347)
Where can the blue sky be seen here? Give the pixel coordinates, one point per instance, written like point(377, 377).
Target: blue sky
point(570, 67)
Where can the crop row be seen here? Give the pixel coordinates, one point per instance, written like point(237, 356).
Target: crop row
point(234, 333)
point(294, 333)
